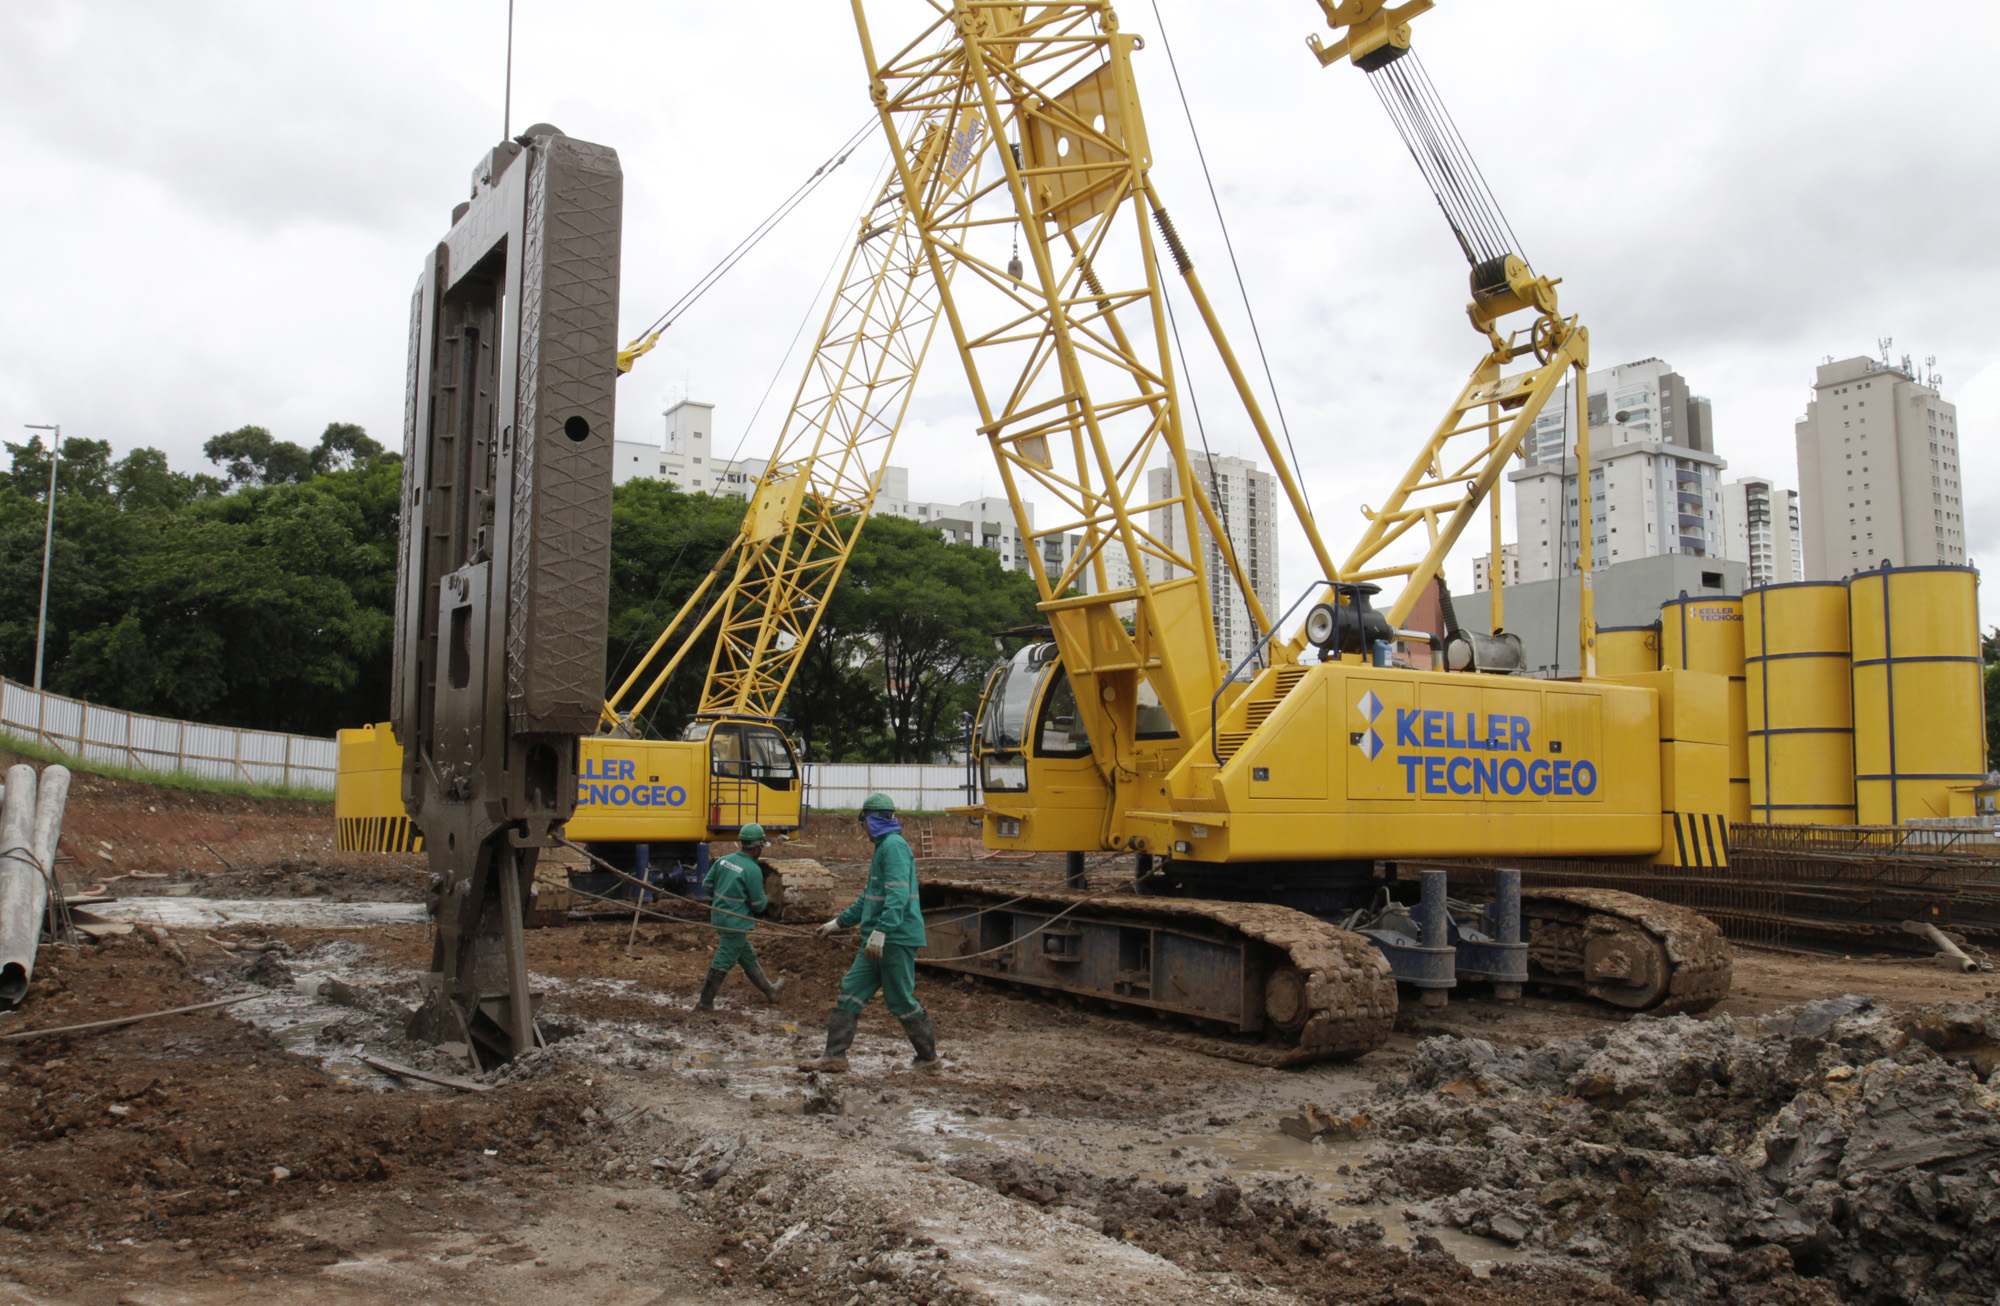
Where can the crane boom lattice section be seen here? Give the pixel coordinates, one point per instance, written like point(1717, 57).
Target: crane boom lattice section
point(820, 483)
point(1074, 406)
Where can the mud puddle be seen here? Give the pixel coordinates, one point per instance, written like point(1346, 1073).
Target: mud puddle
point(190, 913)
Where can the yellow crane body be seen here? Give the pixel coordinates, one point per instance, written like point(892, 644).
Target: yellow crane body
point(628, 790)
point(1284, 810)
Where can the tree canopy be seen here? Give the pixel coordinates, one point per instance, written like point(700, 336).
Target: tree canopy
point(262, 597)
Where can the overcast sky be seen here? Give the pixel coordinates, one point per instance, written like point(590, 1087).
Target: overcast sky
point(220, 208)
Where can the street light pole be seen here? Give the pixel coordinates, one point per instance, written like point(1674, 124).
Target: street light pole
point(48, 544)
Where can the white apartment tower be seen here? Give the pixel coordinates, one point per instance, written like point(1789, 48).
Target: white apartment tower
point(685, 458)
point(1655, 479)
point(1510, 569)
point(1246, 500)
point(1760, 528)
point(1878, 470)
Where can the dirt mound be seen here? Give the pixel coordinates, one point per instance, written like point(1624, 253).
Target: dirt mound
point(1831, 1147)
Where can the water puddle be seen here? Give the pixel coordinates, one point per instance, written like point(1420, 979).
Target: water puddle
point(213, 913)
point(297, 1017)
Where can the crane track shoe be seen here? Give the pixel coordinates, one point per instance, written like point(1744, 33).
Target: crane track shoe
point(1626, 950)
point(799, 888)
point(1278, 987)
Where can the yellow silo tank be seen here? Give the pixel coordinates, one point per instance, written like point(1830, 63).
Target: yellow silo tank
point(1799, 704)
point(1627, 650)
point(1919, 718)
point(1706, 634)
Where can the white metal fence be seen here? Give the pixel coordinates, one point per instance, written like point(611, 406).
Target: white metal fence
point(919, 788)
point(151, 743)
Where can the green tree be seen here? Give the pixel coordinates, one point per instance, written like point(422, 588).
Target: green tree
point(85, 468)
point(266, 607)
point(928, 611)
point(251, 455)
point(663, 544)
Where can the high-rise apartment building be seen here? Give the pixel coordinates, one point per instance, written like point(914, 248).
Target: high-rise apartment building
point(1655, 479)
point(1510, 568)
point(1878, 470)
point(1760, 528)
point(1246, 501)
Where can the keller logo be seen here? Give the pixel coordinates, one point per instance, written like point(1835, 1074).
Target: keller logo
point(1367, 740)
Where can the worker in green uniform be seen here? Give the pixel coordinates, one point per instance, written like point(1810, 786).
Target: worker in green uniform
point(735, 900)
point(892, 929)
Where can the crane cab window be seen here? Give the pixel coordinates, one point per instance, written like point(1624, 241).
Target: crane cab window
point(1059, 730)
point(749, 752)
point(1008, 699)
point(1150, 720)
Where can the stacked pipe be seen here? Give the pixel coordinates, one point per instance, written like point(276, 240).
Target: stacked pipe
point(30, 825)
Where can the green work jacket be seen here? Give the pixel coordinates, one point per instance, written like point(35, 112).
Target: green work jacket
point(889, 903)
point(735, 891)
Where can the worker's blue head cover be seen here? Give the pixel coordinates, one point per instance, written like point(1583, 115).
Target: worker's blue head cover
point(881, 823)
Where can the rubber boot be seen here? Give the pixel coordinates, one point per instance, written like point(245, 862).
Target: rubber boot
point(924, 1039)
point(839, 1037)
point(709, 989)
point(767, 986)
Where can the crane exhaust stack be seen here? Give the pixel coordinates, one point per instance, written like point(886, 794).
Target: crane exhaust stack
point(503, 570)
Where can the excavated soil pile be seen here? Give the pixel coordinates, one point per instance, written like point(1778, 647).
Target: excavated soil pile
point(1833, 1147)
point(1275, 1234)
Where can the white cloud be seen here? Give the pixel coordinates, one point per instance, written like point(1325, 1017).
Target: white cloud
point(220, 208)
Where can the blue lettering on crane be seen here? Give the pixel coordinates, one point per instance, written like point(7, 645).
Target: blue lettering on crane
point(1434, 736)
point(593, 792)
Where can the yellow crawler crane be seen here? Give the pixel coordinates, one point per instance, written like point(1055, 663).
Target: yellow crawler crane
point(651, 805)
point(1273, 803)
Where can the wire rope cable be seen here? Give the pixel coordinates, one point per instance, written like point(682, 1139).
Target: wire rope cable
point(1562, 523)
point(777, 373)
point(1214, 483)
point(706, 282)
point(1256, 336)
point(1431, 135)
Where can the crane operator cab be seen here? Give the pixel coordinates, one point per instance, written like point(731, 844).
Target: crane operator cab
point(1031, 749)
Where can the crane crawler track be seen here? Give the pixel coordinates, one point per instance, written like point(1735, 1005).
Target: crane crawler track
point(799, 888)
point(1698, 960)
point(1312, 991)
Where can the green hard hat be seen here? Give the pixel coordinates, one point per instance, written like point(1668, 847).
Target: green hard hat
point(878, 803)
point(750, 833)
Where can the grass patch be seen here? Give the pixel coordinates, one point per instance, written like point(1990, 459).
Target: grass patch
point(29, 749)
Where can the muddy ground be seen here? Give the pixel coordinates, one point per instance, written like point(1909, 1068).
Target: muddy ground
point(652, 1155)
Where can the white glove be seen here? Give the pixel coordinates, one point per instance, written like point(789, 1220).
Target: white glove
point(828, 928)
point(875, 942)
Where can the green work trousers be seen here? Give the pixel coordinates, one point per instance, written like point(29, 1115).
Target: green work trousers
point(732, 947)
point(894, 977)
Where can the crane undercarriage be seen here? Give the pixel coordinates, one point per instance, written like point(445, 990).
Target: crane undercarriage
point(1273, 985)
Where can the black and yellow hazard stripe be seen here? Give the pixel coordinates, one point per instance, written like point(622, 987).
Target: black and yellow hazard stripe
point(377, 834)
point(1701, 839)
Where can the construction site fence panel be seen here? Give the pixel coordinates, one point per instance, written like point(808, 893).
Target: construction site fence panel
point(912, 787)
point(109, 736)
